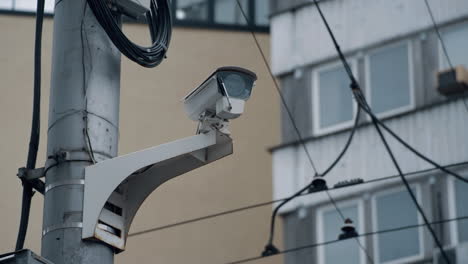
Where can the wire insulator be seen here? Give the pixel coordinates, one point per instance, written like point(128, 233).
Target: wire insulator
point(270, 250)
point(348, 230)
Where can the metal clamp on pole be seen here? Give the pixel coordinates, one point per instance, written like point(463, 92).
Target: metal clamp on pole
point(32, 177)
point(130, 8)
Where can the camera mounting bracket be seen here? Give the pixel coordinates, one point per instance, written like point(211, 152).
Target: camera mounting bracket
point(115, 188)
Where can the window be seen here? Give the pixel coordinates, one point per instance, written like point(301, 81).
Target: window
point(456, 42)
point(459, 209)
point(223, 14)
point(333, 103)
point(394, 209)
point(262, 11)
point(389, 79)
point(228, 12)
point(192, 10)
point(329, 228)
point(220, 14)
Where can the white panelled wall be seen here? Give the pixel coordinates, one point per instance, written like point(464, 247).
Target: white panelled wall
point(436, 132)
point(299, 38)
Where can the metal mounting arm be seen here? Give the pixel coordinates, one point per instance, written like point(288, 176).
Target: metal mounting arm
point(115, 188)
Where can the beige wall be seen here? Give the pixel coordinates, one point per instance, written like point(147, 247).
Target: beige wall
point(151, 114)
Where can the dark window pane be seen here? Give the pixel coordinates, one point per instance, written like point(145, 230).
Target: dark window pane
point(389, 78)
point(262, 11)
point(461, 194)
point(395, 210)
point(335, 99)
point(192, 10)
point(228, 12)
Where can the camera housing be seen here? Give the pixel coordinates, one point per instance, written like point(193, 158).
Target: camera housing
point(222, 95)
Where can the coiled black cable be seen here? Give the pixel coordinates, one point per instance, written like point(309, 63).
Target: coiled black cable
point(160, 25)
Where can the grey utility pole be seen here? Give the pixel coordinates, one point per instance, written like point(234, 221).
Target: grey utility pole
point(83, 128)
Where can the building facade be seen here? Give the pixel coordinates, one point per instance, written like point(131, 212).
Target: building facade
point(151, 113)
point(395, 53)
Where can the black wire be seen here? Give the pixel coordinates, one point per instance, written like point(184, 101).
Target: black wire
point(436, 28)
point(408, 187)
point(409, 147)
point(35, 129)
point(355, 86)
point(160, 24)
point(442, 42)
point(297, 194)
point(253, 206)
point(309, 246)
point(301, 140)
point(360, 99)
point(283, 100)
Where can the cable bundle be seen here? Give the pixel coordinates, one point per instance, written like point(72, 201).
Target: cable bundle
point(160, 24)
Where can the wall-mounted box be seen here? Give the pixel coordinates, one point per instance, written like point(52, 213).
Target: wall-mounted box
point(452, 81)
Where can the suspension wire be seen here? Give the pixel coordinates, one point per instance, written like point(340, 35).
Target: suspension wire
point(439, 36)
point(270, 248)
point(384, 231)
point(258, 205)
point(280, 93)
point(441, 40)
point(360, 99)
point(407, 185)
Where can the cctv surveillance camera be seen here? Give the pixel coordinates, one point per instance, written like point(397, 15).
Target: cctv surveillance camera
point(222, 95)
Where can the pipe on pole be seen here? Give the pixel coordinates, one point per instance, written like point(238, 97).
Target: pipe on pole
point(83, 123)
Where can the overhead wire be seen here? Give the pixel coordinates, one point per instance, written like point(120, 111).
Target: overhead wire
point(410, 192)
point(378, 232)
point(301, 191)
point(280, 93)
point(361, 100)
point(439, 36)
point(270, 248)
point(257, 205)
point(441, 40)
point(35, 130)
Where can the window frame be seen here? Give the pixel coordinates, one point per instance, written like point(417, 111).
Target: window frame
point(411, 78)
point(452, 212)
point(375, 241)
point(441, 55)
point(317, 130)
point(319, 227)
point(210, 23)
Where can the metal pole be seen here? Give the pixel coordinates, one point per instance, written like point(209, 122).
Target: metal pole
point(83, 128)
